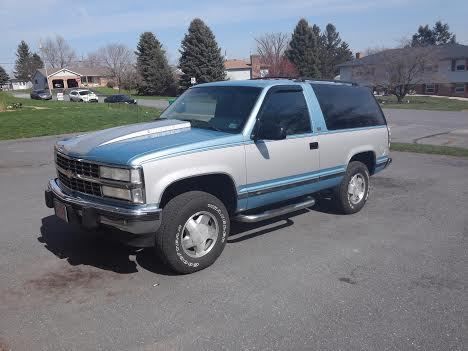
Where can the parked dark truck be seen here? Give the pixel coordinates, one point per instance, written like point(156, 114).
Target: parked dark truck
point(233, 150)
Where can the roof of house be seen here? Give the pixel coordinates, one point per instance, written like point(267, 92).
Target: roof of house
point(447, 51)
point(236, 64)
point(81, 71)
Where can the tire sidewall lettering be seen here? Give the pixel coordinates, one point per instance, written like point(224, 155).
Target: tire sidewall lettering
point(178, 237)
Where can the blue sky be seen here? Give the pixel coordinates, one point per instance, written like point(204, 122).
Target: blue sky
point(86, 25)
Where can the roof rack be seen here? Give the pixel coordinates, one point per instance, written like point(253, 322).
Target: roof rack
point(303, 79)
point(276, 77)
point(306, 79)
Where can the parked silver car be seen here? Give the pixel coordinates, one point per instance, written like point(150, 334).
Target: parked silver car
point(83, 95)
point(232, 150)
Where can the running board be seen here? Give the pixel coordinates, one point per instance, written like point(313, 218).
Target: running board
point(257, 217)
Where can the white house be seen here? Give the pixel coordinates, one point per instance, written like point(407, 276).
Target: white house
point(242, 69)
point(16, 84)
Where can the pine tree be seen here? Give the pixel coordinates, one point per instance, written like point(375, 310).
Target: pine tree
point(438, 35)
point(156, 77)
point(23, 61)
point(333, 51)
point(303, 50)
point(200, 56)
point(4, 77)
point(36, 63)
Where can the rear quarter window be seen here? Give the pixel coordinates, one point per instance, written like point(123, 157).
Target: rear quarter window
point(346, 107)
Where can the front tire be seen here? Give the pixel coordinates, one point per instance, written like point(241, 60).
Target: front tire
point(351, 195)
point(193, 233)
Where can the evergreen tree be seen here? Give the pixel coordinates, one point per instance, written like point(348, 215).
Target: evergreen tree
point(156, 77)
point(334, 52)
point(23, 62)
point(4, 77)
point(26, 63)
point(200, 56)
point(438, 35)
point(36, 63)
point(303, 50)
point(442, 35)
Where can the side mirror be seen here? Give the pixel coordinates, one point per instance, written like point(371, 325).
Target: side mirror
point(270, 130)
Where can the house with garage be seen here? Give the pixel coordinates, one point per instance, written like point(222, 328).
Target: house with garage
point(447, 75)
point(70, 77)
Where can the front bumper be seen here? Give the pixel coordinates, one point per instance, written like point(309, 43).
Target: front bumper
point(138, 220)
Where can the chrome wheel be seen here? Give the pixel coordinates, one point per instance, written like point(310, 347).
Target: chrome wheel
point(356, 189)
point(200, 234)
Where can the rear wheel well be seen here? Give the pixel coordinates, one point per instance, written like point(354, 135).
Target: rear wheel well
point(219, 185)
point(368, 158)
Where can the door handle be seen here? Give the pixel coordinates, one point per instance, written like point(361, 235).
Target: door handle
point(313, 146)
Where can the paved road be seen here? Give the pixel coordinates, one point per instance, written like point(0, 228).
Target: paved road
point(391, 277)
point(429, 127)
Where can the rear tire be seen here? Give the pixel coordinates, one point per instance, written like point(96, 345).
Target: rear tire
point(351, 195)
point(193, 232)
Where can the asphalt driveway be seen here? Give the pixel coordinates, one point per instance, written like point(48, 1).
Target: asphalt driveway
point(429, 127)
point(392, 277)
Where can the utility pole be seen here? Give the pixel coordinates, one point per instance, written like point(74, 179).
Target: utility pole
point(45, 66)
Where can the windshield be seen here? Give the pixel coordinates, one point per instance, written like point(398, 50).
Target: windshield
point(225, 109)
point(84, 92)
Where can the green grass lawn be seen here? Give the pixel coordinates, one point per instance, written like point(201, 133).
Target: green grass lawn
point(430, 149)
point(133, 93)
point(39, 118)
point(423, 103)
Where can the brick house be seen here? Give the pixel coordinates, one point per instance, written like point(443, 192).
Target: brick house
point(243, 69)
point(72, 77)
point(446, 76)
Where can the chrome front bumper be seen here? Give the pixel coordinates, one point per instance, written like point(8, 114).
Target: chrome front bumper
point(136, 220)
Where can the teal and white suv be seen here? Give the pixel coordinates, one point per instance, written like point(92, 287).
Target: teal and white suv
point(225, 151)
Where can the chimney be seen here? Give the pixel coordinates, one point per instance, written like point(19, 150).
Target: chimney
point(255, 66)
point(358, 55)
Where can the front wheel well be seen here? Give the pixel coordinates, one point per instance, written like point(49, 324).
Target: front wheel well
point(220, 185)
point(366, 157)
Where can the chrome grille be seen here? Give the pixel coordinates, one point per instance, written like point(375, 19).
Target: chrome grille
point(77, 167)
point(80, 185)
point(70, 171)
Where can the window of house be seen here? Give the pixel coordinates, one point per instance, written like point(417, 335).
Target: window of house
point(346, 107)
point(289, 110)
point(430, 88)
point(35, 81)
point(460, 65)
point(460, 87)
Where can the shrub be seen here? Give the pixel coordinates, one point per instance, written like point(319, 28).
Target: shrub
point(110, 84)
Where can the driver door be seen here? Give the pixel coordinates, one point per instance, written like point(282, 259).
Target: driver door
point(279, 170)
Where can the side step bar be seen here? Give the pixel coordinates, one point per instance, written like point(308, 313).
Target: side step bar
point(257, 217)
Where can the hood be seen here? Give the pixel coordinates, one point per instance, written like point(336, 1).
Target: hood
point(123, 145)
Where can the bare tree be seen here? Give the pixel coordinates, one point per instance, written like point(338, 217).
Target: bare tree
point(117, 59)
point(374, 50)
point(57, 52)
point(401, 69)
point(271, 48)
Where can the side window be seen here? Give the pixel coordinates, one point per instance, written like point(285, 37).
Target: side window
point(347, 107)
point(289, 110)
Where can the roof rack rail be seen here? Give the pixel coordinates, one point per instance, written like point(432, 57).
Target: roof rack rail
point(275, 77)
point(303, 79)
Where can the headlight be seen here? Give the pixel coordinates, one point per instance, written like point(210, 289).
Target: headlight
point(121, 174)
point(133, 195)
